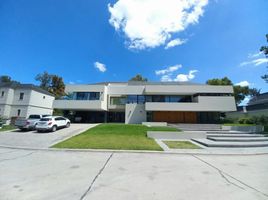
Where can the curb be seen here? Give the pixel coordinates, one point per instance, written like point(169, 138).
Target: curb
point(132, 151)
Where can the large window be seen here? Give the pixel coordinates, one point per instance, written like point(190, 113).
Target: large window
point(21, 96)
point(87, 96)
point(141, 99)
point(118, 100)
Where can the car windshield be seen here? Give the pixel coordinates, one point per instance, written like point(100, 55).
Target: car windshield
point(45, 119)
point(34, 117)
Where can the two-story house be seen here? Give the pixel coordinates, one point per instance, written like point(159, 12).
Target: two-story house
point(21, 100)
point(136, 102)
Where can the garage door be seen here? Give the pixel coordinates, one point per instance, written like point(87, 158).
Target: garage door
point(175, 117)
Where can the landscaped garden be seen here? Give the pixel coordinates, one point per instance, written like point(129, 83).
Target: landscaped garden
point(115, 136)
point(181, 145)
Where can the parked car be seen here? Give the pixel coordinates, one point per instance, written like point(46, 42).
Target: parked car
point(52, 123)
point(29, 123)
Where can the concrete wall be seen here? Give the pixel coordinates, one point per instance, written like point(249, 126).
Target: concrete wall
point(78, 105)
point(38, 110)
point(84, 88)
point(135, 114)
point(41, 100)
point(8, 95)
point(240, 114)
point(26, 97)
point(205, 103)
point(125, 90)
point(164, 135)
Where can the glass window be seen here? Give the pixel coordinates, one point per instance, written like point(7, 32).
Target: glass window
point(34, 117)
point(18, 112)
point(118, 100)
point(21, 95)
point(132, 99)
point(2, 93)
point(141, 99)
point(94, 96)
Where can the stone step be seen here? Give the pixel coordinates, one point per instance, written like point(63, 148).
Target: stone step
point(210, 143)
point(193, 127)
point(229, 132)
point(235, 135)
point(238, 139)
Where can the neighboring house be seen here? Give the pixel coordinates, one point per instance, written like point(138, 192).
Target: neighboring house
point(257, 106)
point(136, 102)
point(21, 100)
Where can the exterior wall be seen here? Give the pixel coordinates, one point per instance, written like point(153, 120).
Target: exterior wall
point(14, 111)
point(223, 103)
point(135, 114)
point(38, 110)
point(78, 105)
point(125, 90)
point(8, 96)
point(248, 114)
point(26, 97)
point(41, 100)
point(84, 88)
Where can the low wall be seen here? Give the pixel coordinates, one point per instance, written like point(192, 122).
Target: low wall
point(254, 129)
point(176, 135)
point(154, 123)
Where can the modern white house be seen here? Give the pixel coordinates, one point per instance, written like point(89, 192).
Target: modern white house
point(136, 102)
point(21, 100)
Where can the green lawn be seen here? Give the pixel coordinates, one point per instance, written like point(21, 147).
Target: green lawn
point(239, 124)
point(7, 128)
point(115, 136)
point(181, 145)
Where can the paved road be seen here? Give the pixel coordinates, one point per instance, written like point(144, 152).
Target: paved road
point(57, 175)
point(33, 139)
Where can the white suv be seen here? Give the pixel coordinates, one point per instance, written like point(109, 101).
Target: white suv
point(52, 123)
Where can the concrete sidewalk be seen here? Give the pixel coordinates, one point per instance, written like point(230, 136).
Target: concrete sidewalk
point(57, 175)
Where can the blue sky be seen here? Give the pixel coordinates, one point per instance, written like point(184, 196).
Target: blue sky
point(68, 38)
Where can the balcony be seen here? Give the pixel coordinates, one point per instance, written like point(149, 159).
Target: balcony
point(203, 103)
point(79, 105)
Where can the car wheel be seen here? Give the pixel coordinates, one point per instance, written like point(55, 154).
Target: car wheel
point(54, 128)
point(68, 125)
point(39, 131)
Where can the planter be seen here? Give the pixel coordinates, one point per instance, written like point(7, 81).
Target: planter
point(252, 129)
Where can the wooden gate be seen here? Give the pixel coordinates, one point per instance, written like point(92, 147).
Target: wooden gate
point(175, 117)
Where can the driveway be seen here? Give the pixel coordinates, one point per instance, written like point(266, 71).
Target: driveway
point(57, 175)
point(33, 139)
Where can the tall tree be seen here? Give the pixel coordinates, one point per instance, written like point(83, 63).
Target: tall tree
point(239, 92)
point(45, 80)
point(5, 79)
point(253, 92)
point(264, 49)
point(138, 77)
point(52, 83)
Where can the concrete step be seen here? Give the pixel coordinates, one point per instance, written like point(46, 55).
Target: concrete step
point(210, 143)
point(235, 135)
point(238, 139)
point(199, 127)
point(229, 132)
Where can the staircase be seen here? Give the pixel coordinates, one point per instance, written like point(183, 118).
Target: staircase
point(233, 139)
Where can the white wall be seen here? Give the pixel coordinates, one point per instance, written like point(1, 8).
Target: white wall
point(78, 104)
point(84, 88)
point(41, 100)
point(8, 95)
point(223, 103)
point(135, 114)
point(37, 110)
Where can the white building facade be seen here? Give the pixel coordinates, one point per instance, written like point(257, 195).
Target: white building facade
point(136, 102)
point(22, 100)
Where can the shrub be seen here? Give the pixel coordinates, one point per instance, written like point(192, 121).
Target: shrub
point(245, 121)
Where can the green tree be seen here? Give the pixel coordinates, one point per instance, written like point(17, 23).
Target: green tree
point(138, 77)
point(253, 92)
point(52, 83)
point(239, 92)
point(45, 80)
point(5, 79)
point(264, 49)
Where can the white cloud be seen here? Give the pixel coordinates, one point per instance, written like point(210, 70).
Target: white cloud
point(256, 59)
point(71, 82)
point(186, 77)
point(168, 74)
point(151, 23)
point(175, 42)
point(168, 70)
point(243, 83)
point(100, 66)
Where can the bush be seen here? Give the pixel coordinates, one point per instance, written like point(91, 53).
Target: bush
point(245, 121)
point(227, 120)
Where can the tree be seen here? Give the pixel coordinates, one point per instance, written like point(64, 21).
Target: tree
point(45, 80)
point(52, 83)
point(138, 77)
point(57, 86)
point(5, 79)
point(264, 49)
point(253, 92)
point(239, 92)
